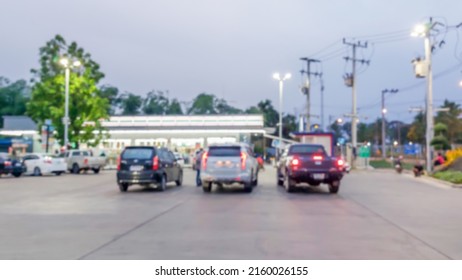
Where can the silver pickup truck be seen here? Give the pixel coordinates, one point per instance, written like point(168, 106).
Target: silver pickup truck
point(78, 160)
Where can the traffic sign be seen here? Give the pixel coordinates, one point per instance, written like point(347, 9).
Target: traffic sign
point(275, 143)
point(364, 151)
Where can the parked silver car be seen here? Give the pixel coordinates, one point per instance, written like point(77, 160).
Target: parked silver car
point(229, 164)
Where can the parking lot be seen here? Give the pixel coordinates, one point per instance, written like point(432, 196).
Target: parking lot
point(376, 215)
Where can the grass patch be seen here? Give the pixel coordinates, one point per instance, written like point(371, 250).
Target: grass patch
point(449, 176)
point(386, 164)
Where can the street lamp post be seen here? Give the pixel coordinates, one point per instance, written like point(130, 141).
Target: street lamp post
point(384, 111)
point(277, 77)
point(67, 68)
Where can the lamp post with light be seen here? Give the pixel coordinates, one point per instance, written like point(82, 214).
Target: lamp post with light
point(67, 64)
point(384, 111)
point(281, 80)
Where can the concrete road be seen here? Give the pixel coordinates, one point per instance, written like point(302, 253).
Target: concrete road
point(376, 215)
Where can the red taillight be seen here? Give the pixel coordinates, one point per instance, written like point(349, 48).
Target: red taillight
point(243, 160)
point(7, 163)
point(340, 162)
point(118, 163)
point(317, 158)
point(204, 160)
point(155, 163)
point(295, 162)
point(85, 161)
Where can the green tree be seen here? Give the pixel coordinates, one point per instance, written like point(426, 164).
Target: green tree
point(416, 132)
point(86, 105)
point(203, 104)
point(155, 103)
point(111, 93)
point(223, 107)
point(289, 125)
point(209, 104)
point(13, 98)
point(451, 119)
point(253, 110)
point(174, 108)
point(346, 127)
point(130, 103)
point(336, 129)
point(440, 141)
point(270, 114)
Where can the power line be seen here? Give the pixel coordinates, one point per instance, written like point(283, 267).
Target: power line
point(383, 34)
point(326, 48)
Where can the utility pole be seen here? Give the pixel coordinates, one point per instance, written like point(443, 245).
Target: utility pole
point(306, 89)
point(425, 32)
point(322, 102)
point(350, 80)
point(384, 111)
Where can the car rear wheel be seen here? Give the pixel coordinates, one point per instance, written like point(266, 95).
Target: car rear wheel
point(17, 174)
point(123, 187)
point(289, 185)
point(58, 173)
point(334, 186)
point(75, 168)
point(279, 179)
point(37, 171)
point(163, 183)
point(255, 182)
point(96, 170)
point(248, 188)
point(179, 182)
point(207, 187)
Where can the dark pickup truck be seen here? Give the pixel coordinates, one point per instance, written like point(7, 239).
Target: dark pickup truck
point(309, 163)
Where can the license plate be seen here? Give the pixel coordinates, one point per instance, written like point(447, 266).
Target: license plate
point(319, 176)
point(17, 164)
point(136, 168)
point(228, 164)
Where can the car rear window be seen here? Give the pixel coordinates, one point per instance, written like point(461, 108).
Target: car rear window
point(307, 149)
point(224, 152)
point(138, 153)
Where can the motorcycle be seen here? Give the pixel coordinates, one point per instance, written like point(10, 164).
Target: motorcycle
point(398, 168)
point(418, 170)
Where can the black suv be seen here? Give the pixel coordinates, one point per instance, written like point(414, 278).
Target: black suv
point(13, 166)
point(147, 166)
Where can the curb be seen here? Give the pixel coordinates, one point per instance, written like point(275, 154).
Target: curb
point(425, 177)
point(457, 186)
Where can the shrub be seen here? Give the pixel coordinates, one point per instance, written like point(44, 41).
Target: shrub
point(452, 155)
point(450, 176)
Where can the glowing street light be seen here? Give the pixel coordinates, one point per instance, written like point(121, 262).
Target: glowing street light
point(420, 30)
point(277, 77)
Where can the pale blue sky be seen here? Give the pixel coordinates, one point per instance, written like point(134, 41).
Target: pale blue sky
point(231, 48)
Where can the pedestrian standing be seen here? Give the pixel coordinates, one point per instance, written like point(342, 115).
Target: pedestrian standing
point(198, 165)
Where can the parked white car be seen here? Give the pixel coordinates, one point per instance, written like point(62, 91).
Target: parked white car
point(179, 159)
point(38, 164)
